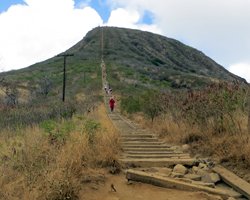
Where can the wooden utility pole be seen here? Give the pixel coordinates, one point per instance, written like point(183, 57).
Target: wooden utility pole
point(64, 72)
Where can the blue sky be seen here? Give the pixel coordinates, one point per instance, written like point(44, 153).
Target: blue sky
point(101, 6)
point(34, 30)
point(5, 4)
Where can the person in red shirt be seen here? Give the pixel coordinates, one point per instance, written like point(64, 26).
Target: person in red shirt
point(112, 104)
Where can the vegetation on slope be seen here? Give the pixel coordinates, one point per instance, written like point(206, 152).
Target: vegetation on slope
point(47, 147)
point(212, 120)
point(57, 159)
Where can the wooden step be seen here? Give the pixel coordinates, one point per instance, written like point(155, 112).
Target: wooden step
point(157, 156)
point(156, 149)
point(145, 177)
point(145, 146)
point(156, 162)
point(153, 153)
point(141, 135)
point(140, 143)
point(136, 139)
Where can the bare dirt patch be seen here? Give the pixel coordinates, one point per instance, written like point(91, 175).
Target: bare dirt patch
point(137, 191)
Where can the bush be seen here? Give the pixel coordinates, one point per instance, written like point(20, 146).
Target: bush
point(91, 127)
point(57, 132)
point(152, 104)
point(130, 104)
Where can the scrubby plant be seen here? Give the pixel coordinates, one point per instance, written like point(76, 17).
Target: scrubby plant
point(32, 167)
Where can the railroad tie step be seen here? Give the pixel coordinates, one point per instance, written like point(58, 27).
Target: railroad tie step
point(156, 162)
point(157, 156)
point(153, 153)
point(139, 140)
point(137, 136)
point(149, 146)
point(142, 143)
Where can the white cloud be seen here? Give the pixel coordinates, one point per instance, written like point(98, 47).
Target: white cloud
point(83, 3)
point(220, 29)
point(121, 17)
point(41, 29)
point(241, 69)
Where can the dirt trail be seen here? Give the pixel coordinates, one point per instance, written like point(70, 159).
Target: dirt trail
point(139, 191)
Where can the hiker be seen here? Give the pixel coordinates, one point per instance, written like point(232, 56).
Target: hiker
point(106, 89)
point(111, 104)
point(110, 91)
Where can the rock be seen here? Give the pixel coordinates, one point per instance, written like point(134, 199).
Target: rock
point(193, 177)
point(210, 178)
point(195, 169)
point(164, 171)
point(180, 169)
point(203, 166)
point(176, 175)
point(202, 172)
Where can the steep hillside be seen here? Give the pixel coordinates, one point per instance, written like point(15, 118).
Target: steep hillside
point(134, 57)
point(148, 59)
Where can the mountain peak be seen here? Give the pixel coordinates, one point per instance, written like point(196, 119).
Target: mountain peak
point(153, 57)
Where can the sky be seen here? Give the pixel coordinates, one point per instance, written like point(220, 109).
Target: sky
point(35, 30)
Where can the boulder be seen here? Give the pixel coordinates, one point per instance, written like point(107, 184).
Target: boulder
point(210, 178)
point(203, 166)
point(180, 169)
point(195, 169)
point(202, 172)
point(194, 177)
point(164, 171)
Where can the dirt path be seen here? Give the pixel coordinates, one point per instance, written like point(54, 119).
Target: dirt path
point(138, 191)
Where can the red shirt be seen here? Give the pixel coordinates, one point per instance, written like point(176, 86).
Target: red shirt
point(111, 102)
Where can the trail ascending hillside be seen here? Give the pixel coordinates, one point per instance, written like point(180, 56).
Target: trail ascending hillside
point(145, 151)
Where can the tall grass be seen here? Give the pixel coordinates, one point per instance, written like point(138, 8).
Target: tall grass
point(213, 121)
point(51, 161)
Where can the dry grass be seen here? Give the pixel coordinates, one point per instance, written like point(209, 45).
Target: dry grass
point(34, 167)
point(231, 149)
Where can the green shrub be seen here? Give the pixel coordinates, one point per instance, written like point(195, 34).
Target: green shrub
point(152, 104)
point(130, 104)
point(91, 127)
point(57, 132)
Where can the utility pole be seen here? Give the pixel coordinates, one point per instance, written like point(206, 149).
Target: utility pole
point(64, 72)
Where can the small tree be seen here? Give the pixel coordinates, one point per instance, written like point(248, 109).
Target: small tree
point(45, 86)
point(151, 104)
point(12, 95)
point(11, 92)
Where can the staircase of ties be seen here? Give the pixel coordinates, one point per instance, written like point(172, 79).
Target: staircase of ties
point(141, 148)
